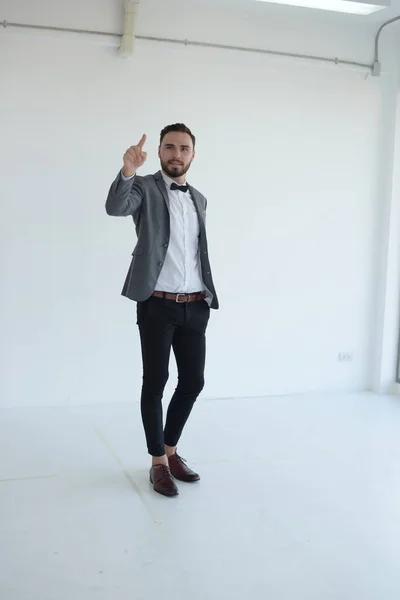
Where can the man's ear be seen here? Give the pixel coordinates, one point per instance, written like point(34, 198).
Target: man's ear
point(159, 148)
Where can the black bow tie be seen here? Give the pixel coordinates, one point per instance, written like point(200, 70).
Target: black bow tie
point(180, 188)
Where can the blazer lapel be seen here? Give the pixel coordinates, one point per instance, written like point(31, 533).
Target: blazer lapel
point(161, 186)
point(197, 203)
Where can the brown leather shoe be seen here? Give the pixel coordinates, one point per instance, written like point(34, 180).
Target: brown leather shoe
point(180, 470)
point(163, 483)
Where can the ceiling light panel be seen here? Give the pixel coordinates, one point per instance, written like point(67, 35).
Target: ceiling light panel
point(356, 7)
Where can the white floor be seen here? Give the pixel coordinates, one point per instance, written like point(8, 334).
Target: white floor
point(299, 500)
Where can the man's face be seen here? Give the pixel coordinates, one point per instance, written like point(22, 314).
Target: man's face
point(176, 154)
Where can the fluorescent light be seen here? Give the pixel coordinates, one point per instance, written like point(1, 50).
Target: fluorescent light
point(357, 7)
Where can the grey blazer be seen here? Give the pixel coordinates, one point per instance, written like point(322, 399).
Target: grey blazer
point(145, 199)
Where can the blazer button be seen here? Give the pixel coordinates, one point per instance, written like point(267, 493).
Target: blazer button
point(165, 246)
point(160, 264)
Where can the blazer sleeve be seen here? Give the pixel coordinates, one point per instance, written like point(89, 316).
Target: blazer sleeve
point(125, 197)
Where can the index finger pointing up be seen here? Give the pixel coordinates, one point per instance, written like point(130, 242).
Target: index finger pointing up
point(142, 141)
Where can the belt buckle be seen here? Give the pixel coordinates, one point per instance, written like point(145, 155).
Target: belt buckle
point(180, 301)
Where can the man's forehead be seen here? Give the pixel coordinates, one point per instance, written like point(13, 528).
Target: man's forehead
point(178, 137)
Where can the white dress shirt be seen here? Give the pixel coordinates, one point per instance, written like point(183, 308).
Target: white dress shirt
point(181, 272)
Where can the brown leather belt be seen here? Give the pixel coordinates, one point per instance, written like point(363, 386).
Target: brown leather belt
point(181, 298)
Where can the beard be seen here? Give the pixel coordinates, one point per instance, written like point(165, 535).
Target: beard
point(175, 171)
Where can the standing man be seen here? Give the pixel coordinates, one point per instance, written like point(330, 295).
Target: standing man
point(170, 279)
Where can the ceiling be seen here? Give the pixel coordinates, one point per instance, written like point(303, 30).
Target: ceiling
point(264, 8)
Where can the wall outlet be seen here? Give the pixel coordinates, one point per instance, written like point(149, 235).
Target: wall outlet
point(345, 357)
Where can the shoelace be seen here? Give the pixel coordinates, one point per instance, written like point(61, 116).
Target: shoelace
point(161, 471)
point(180, 459)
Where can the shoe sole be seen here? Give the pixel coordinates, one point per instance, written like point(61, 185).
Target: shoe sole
point(187, 480)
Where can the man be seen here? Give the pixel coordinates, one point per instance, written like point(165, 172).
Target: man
point(170, 279)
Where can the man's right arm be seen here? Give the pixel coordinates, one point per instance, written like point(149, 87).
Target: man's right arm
point(125, 197)
point(126, 193)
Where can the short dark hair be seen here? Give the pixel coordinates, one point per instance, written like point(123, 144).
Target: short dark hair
point(177, 127)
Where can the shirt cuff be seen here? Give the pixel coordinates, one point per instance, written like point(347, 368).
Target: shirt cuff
point(127, 178)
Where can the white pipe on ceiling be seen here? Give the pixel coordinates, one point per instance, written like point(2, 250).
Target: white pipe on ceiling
point(128, 37)
point(128, 40)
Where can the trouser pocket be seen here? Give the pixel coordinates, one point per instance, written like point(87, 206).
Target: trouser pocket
point(141, 311)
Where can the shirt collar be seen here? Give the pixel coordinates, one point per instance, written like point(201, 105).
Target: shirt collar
point(168, 181)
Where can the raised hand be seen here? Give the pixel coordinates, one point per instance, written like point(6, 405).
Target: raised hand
point(134, 158)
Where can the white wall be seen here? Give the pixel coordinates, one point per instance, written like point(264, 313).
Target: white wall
point(287, 156)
